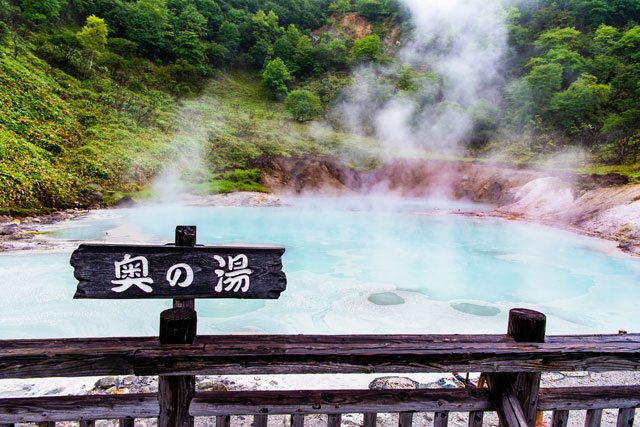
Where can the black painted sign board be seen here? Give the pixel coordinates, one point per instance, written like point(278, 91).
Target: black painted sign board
point(179, 272)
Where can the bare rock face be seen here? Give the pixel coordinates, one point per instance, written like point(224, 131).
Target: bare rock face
point(589, 203)
point(305, 174)
point(475, 181)
point(540, 198)
point(612, 211)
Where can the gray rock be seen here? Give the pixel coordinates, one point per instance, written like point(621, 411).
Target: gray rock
point(125, 202)
point(97, 195)
point(392, 383)
point(107, 382)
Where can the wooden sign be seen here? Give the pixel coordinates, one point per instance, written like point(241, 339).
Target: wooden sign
point(178, 272)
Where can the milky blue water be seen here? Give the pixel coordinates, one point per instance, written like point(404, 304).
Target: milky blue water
point(359, 265)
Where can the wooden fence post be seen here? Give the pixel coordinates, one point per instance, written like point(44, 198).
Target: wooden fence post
point(527, 326)
point(516, 395)
point(178, 326)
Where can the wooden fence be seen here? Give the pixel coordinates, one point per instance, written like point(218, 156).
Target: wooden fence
point(512, 364)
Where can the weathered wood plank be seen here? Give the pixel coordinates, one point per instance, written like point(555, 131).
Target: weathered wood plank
point(312, 354)
point(560, 419)
point(260, 420)
point(476, 418)
point(64, 408)
point(223, 421)
point(441, 419)
point(599, 397)
point(177, 326)
point(369, 419)
point(506, 402)
point(625, 417)
point(527, 326)
point(170, 271)
point(334, 420)
point(338, 401)
point(405, 419)
point(297, 420)
point(593, 418)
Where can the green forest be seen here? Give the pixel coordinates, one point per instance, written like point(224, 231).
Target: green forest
point(96, 94)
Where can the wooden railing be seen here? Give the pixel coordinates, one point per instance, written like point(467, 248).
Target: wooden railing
point(512, 369)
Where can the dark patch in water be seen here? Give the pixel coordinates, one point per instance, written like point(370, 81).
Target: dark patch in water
point(386, 298)
point(478, 310)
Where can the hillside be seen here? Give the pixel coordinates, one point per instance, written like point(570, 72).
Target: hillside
point(99, 97)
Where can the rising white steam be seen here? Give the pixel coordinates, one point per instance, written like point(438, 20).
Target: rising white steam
point(187, 156)
point(455, 53)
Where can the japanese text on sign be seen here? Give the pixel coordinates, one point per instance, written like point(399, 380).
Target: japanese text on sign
point(233, 274)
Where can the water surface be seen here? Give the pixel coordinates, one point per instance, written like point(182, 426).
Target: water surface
point(358, 265)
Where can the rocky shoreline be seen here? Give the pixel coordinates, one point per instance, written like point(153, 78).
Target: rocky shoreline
point(592, 205)
point(601, 206)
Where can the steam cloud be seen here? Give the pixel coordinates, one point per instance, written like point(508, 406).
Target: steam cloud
point(456, 53)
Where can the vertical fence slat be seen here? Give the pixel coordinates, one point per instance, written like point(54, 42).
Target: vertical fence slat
point(625, 417)
point(560, 419)
point(476, 418)
point(370, 419)
point(47, 424)
point(126, 422)
point(260, 420)
point(405, 419)
point(441, 419)
point(7, 425)
point(87, 423)
point(223, 421)
point(593, 418)
point(297, 420)
point(334, 420)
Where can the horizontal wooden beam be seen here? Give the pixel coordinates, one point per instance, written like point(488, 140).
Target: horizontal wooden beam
point(77, 408)
point(339, 401)
point(600, 397)
point(280, 354)
point(145, 405)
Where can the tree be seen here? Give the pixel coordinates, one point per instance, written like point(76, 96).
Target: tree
point(368, 48)
point(265, 26)
point(560, 37)
point(190, 19)
point(190, 47)
point(629, 43)
point(543, 82)
point(370, 9)
point(259, 53)
point(212, 12)
point(283, 49)
point(41, 10)
point(303, 105)
point(303, 56)
point(340, 6)
point(229, 36)
point(581, 103)
point(93, 36)
point(275, 77)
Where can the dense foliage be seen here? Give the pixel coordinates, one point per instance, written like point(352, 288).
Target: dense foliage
point(575, 73)
point(90, 90)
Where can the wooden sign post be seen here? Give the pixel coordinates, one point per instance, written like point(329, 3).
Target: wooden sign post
point(182, 271)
